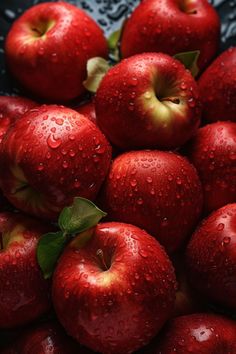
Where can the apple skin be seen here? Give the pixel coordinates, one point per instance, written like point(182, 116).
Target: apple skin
point(51, 155)
point(47, 49)
point(24, 294)
point(12, 108)
point(187, 301)
point(47, 338)
point(217, 88)
point(154, 190)
point(211, 257)
point(213, 153)
point(201, 333)
point(162, 26)
point(134, 108)
point(88, 110)
point(119, 308)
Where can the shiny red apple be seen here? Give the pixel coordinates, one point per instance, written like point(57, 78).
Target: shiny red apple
point(148, 101)
point(217, 88)
point(24, 294)
point(171, 27)
point(51, 155)
point(12, 108)
point(47, 49)
point(115, 293)
point(213, 153)
point(211, 257)
point(157, 191)
point(202, 333)
point(88, 110)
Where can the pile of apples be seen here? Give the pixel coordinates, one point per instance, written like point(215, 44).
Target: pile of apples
point(153, 152)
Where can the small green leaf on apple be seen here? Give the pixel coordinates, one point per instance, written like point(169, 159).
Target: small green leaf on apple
point(81, 216)
point(96, 69)
point(49, 250)
point(189, 60)
point(113, 44)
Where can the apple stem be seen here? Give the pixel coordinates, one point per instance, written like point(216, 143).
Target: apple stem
point(100, 254)
point(1, 242)
point(171, 99)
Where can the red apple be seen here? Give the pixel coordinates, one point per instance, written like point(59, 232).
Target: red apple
point(218, 90)
point(201, 333)
point(46, 338)
point(211, 257)
point(148, 101)
point(155, 190)
point(88, 110)
point(213, 153)
point(12, 108)
point(24, 293)
point(187, 301)
point(114, 294)
point(171, 27)
point(51, 155)
point(48, 47)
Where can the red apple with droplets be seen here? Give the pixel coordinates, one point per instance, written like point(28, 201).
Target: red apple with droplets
point(12, 108)
point(148, 101)
point(157, 191)
point(46, 338)
point(172, 27)
point(217, 87)
point(116, 292)
point(24, 294)
point(201, 333)
point(213, 153)
point(88, 110)
point(51, 155)
point(210, 257)
point(47, 49)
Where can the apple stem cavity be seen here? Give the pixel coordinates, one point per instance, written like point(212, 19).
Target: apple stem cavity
point(174, 100)
point(82, 215)
point(100, 255)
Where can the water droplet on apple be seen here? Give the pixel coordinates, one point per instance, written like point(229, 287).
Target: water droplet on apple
point(143, 253)
point(40, 167)
point(53, 142)
point(41, 51)
point(226, 240)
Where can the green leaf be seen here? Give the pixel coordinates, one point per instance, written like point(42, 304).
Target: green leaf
point(50, 247)
point(81, 216)
point(114, 39)
point(113, 44)
point(96, 69)
point(189, 60)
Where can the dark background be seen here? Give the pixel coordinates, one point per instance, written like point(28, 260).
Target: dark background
point(110, 15)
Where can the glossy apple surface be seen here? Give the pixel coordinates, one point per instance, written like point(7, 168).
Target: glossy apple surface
point(157, 191)
point(217, 88)
point(12, 108)
point(47, 49)
point(148, 101)
point(172, 27)
point(211, 257)
point(51, 155)
point(46, 338)
point(213, 153)
point(24, 294)
point(88, 110)
point(114, 302)
point(199, 333)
